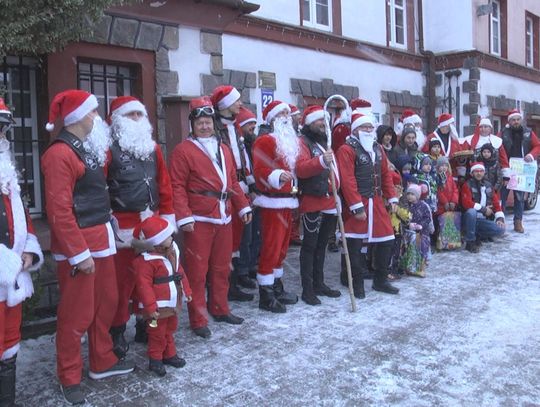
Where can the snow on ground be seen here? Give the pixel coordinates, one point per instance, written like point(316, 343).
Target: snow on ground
point(467, 335)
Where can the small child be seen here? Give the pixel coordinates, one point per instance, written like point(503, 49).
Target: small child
point(400, 220)
point(447, 219)
point(426, 177)
point(417, 250)
point(435, 149)
point(493, 168)
point(160, 280)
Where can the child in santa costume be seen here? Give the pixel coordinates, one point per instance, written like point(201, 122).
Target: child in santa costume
point(206, 191)
point(160, 284)
point(20, 254)
point(274, 162)
point(82, 240)
point(139, 187)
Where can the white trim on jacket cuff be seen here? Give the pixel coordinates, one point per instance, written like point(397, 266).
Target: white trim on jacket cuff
point(393, 200)
point(477, 206)
point(79, 257)
point(184, 221)
point(243, 211)
point(356, 206)
point(499, 214)
point(273, 179)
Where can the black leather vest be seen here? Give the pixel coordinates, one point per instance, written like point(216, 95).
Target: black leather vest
point(317, 185)
point(367, 173)
point(132, 182)
point(91, 202)
point(223, 132)
point(508, 141)
point(4, 226)
point(476, 194)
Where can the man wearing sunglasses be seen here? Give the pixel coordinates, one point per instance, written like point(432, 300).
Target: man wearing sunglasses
point(206, 192)
point(139, 187)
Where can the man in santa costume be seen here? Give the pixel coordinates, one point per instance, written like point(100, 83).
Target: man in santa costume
point(296, 116)
point(341, 126)
point(519, 142)
point(82, 240)
point(161, 281)
point(409, 116)
point(447, 135)
point(482, 217)
point(20, 254)
point(317, 203)
point(206, 191)
point(227, 103)
point(365, 181)
point(139, 187)
point(274, 161)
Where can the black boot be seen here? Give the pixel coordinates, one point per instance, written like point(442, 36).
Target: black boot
point(140, 331)
point(283, 296)
point(319, 287)
point(246, 282)
point(343, 275)
point(157, 367)
point(306, 274)
point(120, 345)
point(235, 293)
point(382, 253)
point(268, 301)
point(7, 381)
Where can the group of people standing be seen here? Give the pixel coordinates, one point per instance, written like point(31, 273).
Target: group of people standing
point(114, 206)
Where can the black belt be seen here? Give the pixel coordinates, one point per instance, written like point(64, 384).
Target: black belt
point(166, 280)
point(279, 195)
point(222, 196)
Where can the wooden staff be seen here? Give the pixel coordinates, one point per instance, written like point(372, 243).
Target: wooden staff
point(336, 198)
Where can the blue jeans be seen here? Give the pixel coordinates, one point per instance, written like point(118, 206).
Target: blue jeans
point(480, 228)
point(519, 202)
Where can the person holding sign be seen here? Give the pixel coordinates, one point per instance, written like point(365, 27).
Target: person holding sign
point(518, 142)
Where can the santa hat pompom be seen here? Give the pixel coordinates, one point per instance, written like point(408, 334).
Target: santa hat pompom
point(49, 127)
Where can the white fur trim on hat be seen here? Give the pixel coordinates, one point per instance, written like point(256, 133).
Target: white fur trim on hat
point(276, 110)
point(485, 122)
point(229, 99)
point(295, 112)
point(515, 114)
point(84, 108)
point(360, 121)
point(131, 106)
point(447, 122)
point(477, 166)
point(316, 115)
point(412, 119)
point(161, 236)
point(251, 119)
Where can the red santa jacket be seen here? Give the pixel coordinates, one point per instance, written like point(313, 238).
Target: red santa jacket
point(307, 167)
point(377, 227)
point(474, 142)
point(154, 295)
point(340, 132)
point(61, 169)
point(128, 220)
point(468, 201)
point(16, 284)
point(192, 172)
point(447, 193)
point(454, 145)
point(268, 165)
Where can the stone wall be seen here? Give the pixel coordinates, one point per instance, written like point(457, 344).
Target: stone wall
point(322, 89)
point(402, 99)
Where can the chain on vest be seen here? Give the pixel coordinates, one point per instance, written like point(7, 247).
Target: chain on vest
point(508, 141)
point(317, 185)
point(91, 205)
point(367, 174)
point(475, 188)
point(132, 182)
point(5, 238)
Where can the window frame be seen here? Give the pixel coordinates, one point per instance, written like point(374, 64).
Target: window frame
point(495, 4)
point(529, 41)
point(312, 22)
point(392, 21)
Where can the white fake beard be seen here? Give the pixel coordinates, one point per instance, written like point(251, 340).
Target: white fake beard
point(8, 173)
point(134, 137)
point(420, 138)
point(287, 143)
point(367, 139)
point(98, 141)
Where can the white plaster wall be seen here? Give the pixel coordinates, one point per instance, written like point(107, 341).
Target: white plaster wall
point(448, 25)
point(496, 84)
point(288, 62)
point(189, 62)
point(365, 23)
point(285, 11)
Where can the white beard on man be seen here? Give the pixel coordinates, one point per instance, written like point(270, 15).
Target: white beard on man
point(367, 139)
point(133, 136)
point(8, 173)
point(287, 142)
point(98, 141)
point(420, 138)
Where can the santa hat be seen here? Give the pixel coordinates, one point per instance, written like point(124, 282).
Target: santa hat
point(5, 113)
point(311, 114)
point(359, 119)
point(71, 106)
point(153, 230)
point(477, 166)
point(294, 110)
point(485, 122)
point(414, 189)
point(514, 113)
point(245, 116)
point(445, 119)
point(123, 105)
point(273, 109)
point(361, 106)
point(410, 117)
point(224, 96)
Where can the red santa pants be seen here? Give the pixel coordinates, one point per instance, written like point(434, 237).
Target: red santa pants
point(160, 339)
point(207, 254)
point(276, 226)
point(125, 280)
point(10, 330)
point(237, 231)
point(87, 303)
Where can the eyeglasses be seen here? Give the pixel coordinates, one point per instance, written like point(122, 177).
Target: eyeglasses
point(202, 111)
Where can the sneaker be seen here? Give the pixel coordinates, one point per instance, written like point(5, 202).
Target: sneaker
point(73, 394)
point(175, 361)
point(121, 367)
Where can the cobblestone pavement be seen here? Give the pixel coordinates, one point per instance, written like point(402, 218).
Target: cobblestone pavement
point(467, 335)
